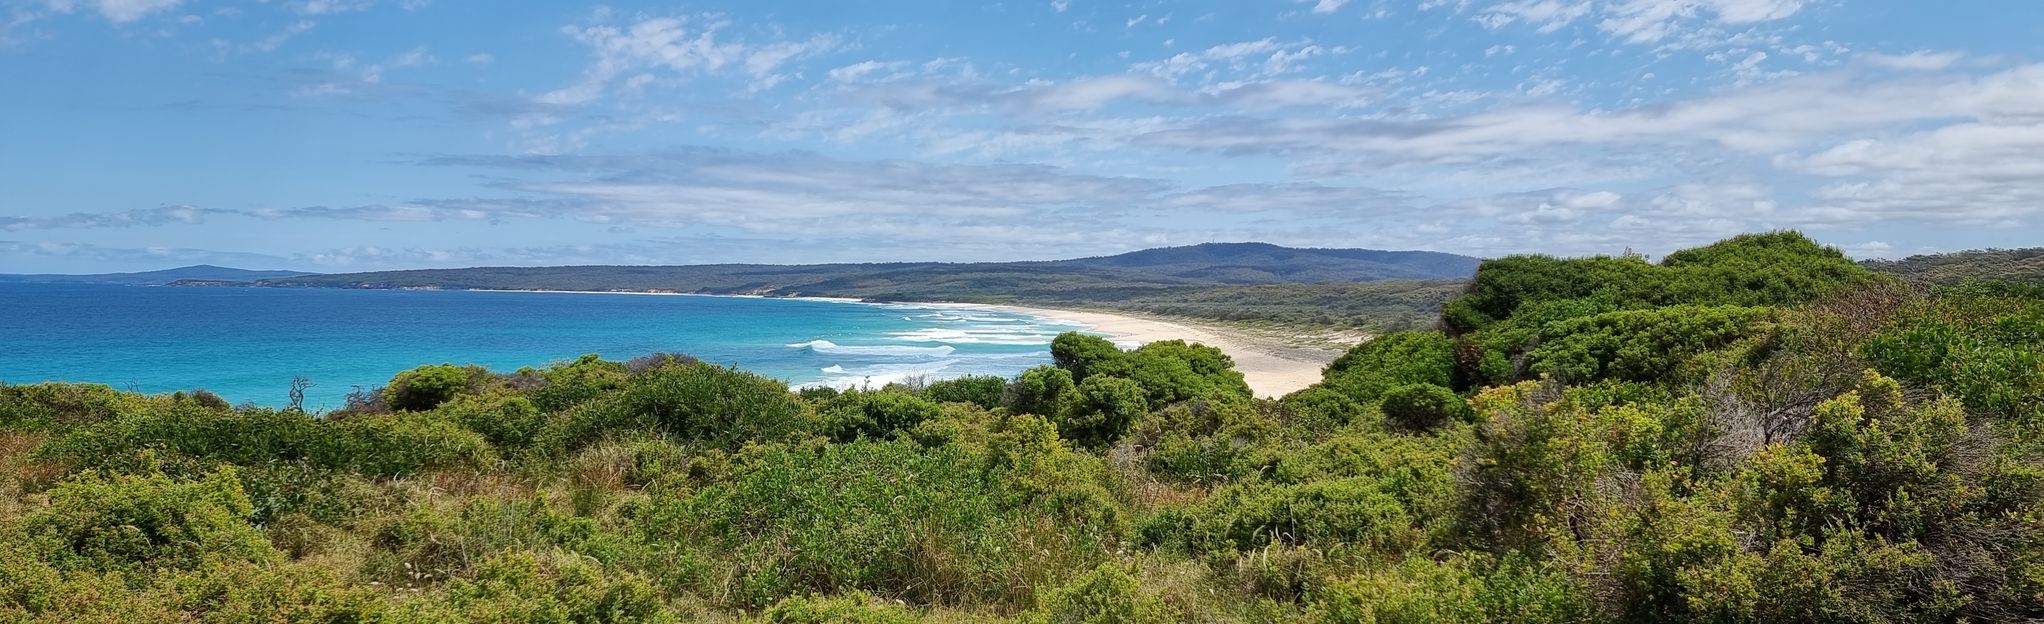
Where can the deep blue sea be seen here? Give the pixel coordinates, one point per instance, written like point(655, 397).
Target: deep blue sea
point(246, 344)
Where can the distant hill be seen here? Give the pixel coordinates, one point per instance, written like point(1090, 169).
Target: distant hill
point(2015, 265)
point(204, 272)
point(1141, 272)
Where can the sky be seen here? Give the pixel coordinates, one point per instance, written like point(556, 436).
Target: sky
point(355, 135)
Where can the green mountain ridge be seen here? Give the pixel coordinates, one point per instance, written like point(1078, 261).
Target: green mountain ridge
point(1212, 264)
point(154, 278)
point(2022, 265)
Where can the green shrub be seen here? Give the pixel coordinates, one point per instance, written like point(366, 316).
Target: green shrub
point(508, 421)
point(1083, 354)
point(402, 444)
point(1368, 370)
point(1353, 512)
point(217, 590)
point(1423, 407)
point(424, 546)
point(1535, 463)
point(382, 445)
point(1206, 440)
point(561, 587)
point(853, 608)
point(1105, 408)
point(1638, 345)
point(571, 383)
point(1318, 409)
point(1775, 268)
point(875, 414)
point(1418, 591)
point(983, 390)
point(124, 522)
point(58, 407)
point(1171, 371)
point(1983, 349)
point(426, 387)
point(189, 429)
point(931, 526)
point(1107, 595)
point(1043, 390)
point(695, 401)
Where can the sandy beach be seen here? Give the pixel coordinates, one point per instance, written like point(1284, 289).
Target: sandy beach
point(1272, 370)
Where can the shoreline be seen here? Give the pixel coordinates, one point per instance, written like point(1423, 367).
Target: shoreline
point(1272, 370)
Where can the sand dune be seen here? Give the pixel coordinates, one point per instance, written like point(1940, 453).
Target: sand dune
point(1271, 368)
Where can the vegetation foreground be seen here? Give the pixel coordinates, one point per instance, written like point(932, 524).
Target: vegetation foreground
point(1758, 430)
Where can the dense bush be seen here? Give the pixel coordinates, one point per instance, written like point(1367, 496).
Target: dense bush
point(1042, 390)
point(890, 518)
point(1421, 407)
point(1083, 354)
point(508, 421)
point(386, 444)
point(1981, 345)
point(426, 387)
point(689, 401)
point(1637, 345)
point(1105, 408)
point(401, 444)
point(572, 383)
point(526, 587)
point(850, 608)
point(1107, 595)
point(1172, 371)
point(876, 415)
point(141, 523)
point(1515, 304)
point(1366, 371)
point(983, 390)
point(57, 406)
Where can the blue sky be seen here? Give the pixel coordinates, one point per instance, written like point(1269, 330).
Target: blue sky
point(339, 135)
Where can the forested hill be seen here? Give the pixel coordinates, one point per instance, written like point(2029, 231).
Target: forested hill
point(2018, 265)
point(1213, 264)
point(150, 278)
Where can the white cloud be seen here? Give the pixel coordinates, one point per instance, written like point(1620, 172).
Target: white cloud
point(331, 7)
point(269, 43)
point(765, 62)
point(141, 217)
point(116, 11)
point(1970, 173)
point(1288, 93)
point(1328, 6)
point(859, 71)
point(1544, 15)
point(685, 45)
point(1743, 11)
point(352, 77)
point(1092, 93)
point(1921, 60)
point(1247, 59)
point(1760, 119)
point(1647, 21)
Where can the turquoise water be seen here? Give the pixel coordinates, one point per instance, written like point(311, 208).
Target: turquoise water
point(246, 344)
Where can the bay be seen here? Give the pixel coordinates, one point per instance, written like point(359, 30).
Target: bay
point(247, 344)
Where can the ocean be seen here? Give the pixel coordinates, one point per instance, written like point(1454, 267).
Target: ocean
point(247, 344)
